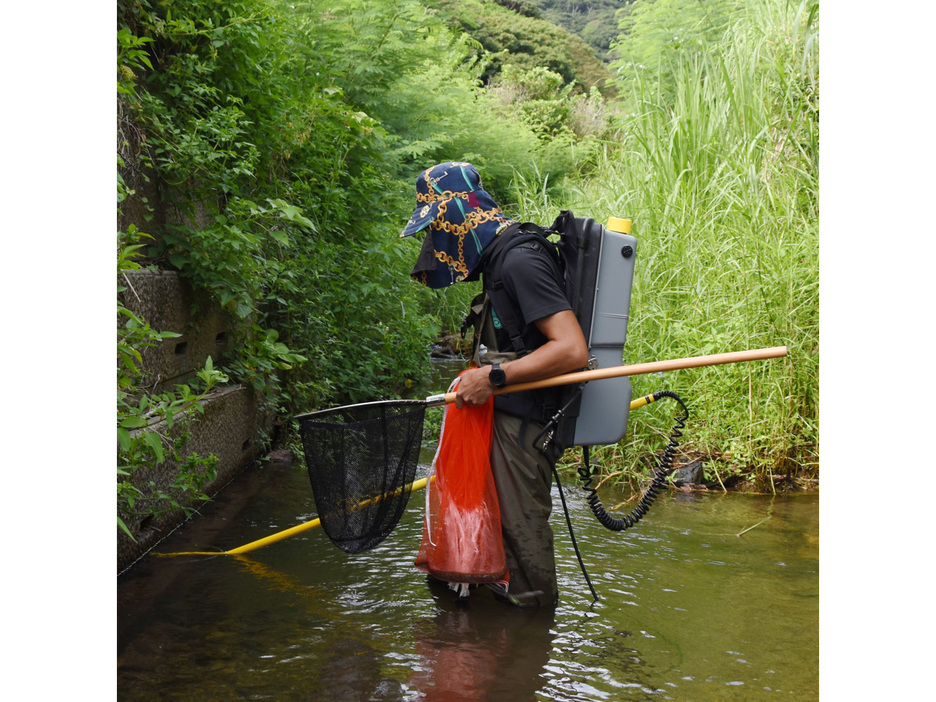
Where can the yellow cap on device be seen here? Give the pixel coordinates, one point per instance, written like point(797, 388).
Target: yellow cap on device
point(616, 224)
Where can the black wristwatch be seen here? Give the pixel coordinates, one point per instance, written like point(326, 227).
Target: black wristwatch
point(497, 376)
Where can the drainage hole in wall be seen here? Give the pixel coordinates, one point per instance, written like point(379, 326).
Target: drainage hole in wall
point(246, 445)
point(181, 348)
point(221, 338)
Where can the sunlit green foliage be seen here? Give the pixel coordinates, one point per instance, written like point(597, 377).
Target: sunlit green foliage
point(280, 142)
point(658, 35)
point(721, 180)
point(551, 107)
point(264, 168)
point(271, 146)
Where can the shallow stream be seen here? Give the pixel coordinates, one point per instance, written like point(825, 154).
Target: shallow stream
point(689, 609)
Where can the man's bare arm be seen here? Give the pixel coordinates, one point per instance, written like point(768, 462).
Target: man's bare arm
point(565, 350)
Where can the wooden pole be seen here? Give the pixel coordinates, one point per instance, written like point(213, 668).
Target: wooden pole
point(638, 369)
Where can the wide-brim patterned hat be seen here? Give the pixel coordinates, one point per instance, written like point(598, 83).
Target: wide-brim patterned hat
point(461, 219)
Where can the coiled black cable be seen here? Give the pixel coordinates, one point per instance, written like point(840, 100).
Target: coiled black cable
point(660, 474)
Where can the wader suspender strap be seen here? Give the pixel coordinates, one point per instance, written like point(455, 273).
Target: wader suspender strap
point(476, 318)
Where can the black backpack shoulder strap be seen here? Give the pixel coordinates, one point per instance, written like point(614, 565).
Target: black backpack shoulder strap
point(507, 313)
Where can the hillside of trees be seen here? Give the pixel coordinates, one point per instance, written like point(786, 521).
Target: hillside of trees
point(595, 21)
point(513, 33)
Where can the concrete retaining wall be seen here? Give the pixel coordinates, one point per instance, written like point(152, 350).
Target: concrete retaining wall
point(232, 427)
point(168, 303)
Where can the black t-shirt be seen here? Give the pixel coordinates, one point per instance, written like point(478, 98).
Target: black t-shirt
point(531, 281)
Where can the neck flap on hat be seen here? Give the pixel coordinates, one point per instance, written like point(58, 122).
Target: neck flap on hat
point(461, 219)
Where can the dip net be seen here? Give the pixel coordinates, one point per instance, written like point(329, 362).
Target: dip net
point(362, 461)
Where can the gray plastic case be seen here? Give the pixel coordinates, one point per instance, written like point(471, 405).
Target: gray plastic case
point(606, 403)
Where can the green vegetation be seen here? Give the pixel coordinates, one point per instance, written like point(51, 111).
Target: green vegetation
point(520, 37)
point(593, 20)
point(269, 149)
point(145, 420)
point(717, 163)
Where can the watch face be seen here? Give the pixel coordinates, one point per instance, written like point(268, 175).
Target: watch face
point(497, 377)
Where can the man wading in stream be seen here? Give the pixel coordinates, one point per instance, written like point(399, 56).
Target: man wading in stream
point(459, 221)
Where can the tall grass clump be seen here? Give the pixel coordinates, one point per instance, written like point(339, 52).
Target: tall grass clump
point(717, 164)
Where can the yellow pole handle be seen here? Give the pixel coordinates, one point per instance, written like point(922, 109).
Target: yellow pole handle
point(292, 531)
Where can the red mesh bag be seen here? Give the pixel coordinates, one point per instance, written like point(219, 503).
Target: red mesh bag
point(462, 541)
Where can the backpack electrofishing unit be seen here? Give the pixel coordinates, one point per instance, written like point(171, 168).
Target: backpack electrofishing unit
point(596, 265)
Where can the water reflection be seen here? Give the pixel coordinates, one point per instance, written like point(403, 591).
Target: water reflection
point(483, 650)
point(351, 671)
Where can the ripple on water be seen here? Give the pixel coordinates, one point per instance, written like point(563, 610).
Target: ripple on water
point(301, 616)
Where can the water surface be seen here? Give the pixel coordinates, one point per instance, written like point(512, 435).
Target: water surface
point(689, 609)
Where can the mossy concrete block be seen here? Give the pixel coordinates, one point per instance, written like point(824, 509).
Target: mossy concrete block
point(168, 303)
point(232, 428)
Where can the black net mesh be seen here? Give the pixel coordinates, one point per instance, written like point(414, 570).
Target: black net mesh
point(362, 460)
